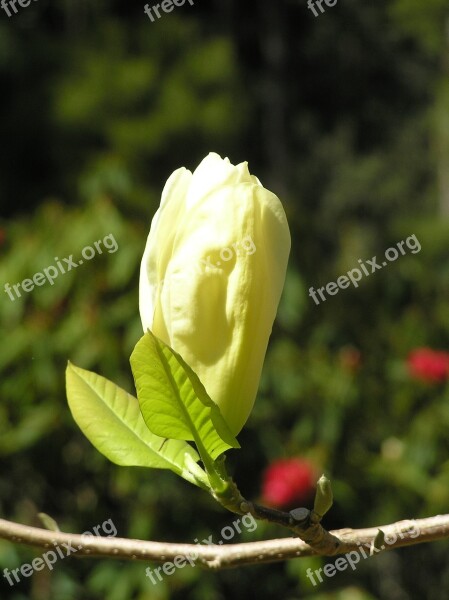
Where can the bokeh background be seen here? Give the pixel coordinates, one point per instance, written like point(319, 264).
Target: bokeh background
point(346, 117)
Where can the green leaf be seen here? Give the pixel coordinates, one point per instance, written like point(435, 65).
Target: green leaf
point(111, 420)
point(173, 400)
point(48, 522)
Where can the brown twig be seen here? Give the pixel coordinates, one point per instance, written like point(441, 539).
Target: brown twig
point(402, 533)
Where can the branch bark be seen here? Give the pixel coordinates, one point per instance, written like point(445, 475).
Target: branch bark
point(402, 533)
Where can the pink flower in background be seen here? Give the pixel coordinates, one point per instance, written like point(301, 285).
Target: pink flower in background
point(428, 365)
point(288, 481)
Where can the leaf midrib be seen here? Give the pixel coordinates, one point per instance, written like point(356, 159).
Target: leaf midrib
point(122, 422)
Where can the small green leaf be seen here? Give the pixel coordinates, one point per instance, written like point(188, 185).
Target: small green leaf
point(48, 522)
point(173, 400)
point(111, 420)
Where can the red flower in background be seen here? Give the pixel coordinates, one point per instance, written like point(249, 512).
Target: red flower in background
point(288, 481)
point(428, 365)
point(350, 358)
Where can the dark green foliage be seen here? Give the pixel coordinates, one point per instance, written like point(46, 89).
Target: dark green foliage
point(345, 116)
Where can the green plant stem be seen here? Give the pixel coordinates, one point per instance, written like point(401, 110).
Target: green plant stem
point(303, 522)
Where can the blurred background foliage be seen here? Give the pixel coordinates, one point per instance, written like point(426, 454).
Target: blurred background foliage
point(346, 117)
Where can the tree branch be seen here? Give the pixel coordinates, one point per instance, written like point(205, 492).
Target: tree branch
point(402, 533)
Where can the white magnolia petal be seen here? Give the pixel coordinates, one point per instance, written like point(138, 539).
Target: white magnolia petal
point(212, 276)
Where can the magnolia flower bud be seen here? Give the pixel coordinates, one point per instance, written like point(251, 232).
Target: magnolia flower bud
point(212, 275)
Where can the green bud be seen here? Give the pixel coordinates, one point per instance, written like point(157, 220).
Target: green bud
point(323, 496)
point(48, 522)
